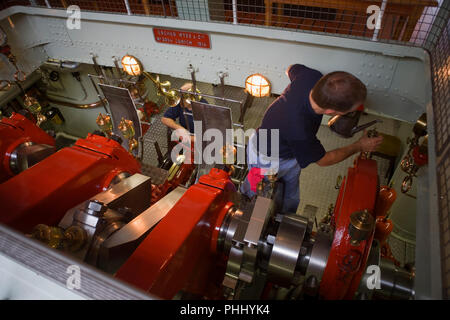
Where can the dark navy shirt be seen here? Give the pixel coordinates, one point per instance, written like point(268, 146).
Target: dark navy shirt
point(176, 112)
point(293, 115)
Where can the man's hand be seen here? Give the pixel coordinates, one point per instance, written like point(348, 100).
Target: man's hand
point(366, 144)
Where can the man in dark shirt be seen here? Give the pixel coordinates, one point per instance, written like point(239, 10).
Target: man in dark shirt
point(294, 119)
point(178, 112)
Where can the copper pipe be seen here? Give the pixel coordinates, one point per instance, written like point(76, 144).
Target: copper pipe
point(64, 3)
point(78, 106)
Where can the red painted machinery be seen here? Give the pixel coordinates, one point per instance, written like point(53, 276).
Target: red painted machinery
point(215, 244)
point(44, 192)
point(353, 219)
point(22, 144)
point(195, 242)
point(204, 246)
point(185, 258)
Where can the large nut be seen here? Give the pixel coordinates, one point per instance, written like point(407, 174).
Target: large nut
point(361, 226)
point(95, 207)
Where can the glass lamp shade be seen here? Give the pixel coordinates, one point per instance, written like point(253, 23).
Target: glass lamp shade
point(257, 85)
point(131, 65)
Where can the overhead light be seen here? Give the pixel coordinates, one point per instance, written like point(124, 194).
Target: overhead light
point(131, 65)
point(257, 85)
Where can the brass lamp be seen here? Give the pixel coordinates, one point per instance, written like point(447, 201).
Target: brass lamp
point(257, 85)
point(133, 67)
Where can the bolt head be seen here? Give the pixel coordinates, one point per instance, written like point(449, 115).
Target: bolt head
point(95, 206)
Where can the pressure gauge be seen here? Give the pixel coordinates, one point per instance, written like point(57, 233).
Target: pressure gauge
point(3, 37)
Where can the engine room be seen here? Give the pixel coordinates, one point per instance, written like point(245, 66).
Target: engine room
point(102, 196)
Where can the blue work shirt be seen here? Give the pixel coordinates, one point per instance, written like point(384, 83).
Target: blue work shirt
point(297, 122)
point(176, 112)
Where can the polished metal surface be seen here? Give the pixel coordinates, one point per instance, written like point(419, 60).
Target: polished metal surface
point(227, 230)
point(286, 249)
point(319, 254)
point(212, 117)
point(118, 178)
point(133, 192)
point(27, 155)
point(241, 234)
point(94, 219)
point(122, 105)
point(96, 256)
point(145, 221)
point(14, 161)
point(257, 222)
point(396, 283)
point(253, 235)
point(373, 260)
point(105, 214)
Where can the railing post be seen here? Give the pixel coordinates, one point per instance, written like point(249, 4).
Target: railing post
point(127, 5)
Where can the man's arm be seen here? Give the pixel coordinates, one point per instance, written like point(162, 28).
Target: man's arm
point(175, 126)
point(364, 144)
point(171, 123)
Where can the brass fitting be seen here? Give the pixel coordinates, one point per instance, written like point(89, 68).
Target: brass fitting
point(228, 154)
point(72, 239)
point(105, 124)
point(35, 108)
point(175, 167)
point(75, 238)
point(51, 236)
point(127, 129)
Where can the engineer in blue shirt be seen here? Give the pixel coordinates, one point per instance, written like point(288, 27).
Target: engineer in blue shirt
point(297, 115)
point(173, 113)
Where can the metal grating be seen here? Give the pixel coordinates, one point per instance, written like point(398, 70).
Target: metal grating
point(405, 21)
point(439, 47)
point(166, 8)
point(403, 251)
point(441, 90)
point(443, 172)
point(9, 3)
